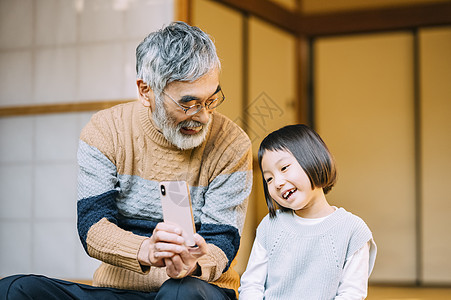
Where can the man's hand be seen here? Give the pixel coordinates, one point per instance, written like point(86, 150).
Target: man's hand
point(165, 242)
point(185, 263)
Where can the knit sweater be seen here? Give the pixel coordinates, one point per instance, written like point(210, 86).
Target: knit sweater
point(306, 262)
point(122, 158)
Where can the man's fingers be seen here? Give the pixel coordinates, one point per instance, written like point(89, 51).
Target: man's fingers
point(200, 240)
point(179, 264)
point(175, 268)
point(165, 247)
point(166, 241)
point(201, 247)
point(168, 227)
point(167, 236)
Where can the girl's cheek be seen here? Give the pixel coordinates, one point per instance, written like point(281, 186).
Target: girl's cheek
point(272, 194)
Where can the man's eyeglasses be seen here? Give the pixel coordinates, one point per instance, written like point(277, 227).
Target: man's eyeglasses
point(194, 109)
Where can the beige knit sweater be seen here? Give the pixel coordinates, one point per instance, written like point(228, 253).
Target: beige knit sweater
point(122, 159)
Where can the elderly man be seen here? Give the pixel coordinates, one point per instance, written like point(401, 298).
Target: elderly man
point(171, 133)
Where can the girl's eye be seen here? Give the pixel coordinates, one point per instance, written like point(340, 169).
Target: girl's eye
point(268, 180)
point(285, 167)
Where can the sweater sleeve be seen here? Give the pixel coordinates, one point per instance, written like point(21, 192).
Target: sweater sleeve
point(254, 278)
point(226, 199)
point(97, 212)
point(354, 279)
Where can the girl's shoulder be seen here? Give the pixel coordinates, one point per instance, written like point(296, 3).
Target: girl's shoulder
point(354, 224)
point(356, 233)
point(346, 216)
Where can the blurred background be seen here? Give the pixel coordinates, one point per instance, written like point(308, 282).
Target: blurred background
point(372, 77)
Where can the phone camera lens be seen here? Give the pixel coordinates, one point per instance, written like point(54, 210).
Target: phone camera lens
point(163, 190)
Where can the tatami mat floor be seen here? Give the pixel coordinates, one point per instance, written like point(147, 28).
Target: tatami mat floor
point(406, 293)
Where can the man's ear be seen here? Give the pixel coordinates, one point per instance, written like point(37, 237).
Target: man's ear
point(146, 95)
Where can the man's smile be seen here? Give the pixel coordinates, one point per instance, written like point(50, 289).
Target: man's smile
point(191, 130)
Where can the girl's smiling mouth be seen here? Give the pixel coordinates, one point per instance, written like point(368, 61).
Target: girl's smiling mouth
point(288, 193)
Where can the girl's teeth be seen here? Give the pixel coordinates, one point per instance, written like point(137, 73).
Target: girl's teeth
point(288, 193)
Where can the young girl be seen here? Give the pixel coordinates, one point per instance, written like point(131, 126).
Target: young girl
point(305, 249)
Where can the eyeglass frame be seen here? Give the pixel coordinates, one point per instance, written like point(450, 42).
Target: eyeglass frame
point(219, 100)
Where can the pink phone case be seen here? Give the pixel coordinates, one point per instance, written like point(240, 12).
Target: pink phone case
point(176, 203)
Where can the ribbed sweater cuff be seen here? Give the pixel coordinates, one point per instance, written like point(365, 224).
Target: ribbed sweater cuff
point(128, 253)
point(212, 264)
point(115, 246)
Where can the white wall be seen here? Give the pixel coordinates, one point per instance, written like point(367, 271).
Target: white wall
point(56, 51)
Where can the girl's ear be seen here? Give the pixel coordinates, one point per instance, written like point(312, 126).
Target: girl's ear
point(145, 93)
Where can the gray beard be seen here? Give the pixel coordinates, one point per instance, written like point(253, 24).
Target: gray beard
point(171, 131)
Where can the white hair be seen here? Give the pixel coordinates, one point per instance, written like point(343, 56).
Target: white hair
point(177, 52)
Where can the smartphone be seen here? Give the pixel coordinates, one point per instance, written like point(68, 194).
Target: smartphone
point(177, 209)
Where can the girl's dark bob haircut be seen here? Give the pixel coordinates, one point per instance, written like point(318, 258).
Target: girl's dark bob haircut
point(309, 150)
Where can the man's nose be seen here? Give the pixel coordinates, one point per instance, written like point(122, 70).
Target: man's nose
point(202, 116)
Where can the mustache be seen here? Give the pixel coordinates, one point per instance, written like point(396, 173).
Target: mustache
point(190, 123)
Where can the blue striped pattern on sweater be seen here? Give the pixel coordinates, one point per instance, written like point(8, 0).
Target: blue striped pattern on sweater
point(129, 202)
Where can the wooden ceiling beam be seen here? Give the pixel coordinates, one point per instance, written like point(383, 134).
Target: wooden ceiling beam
point(356, 21)
point(381, 19)
point(268, 11)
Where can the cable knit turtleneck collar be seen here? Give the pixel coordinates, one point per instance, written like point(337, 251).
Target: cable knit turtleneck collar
point(150, 130)
point(149, 127)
